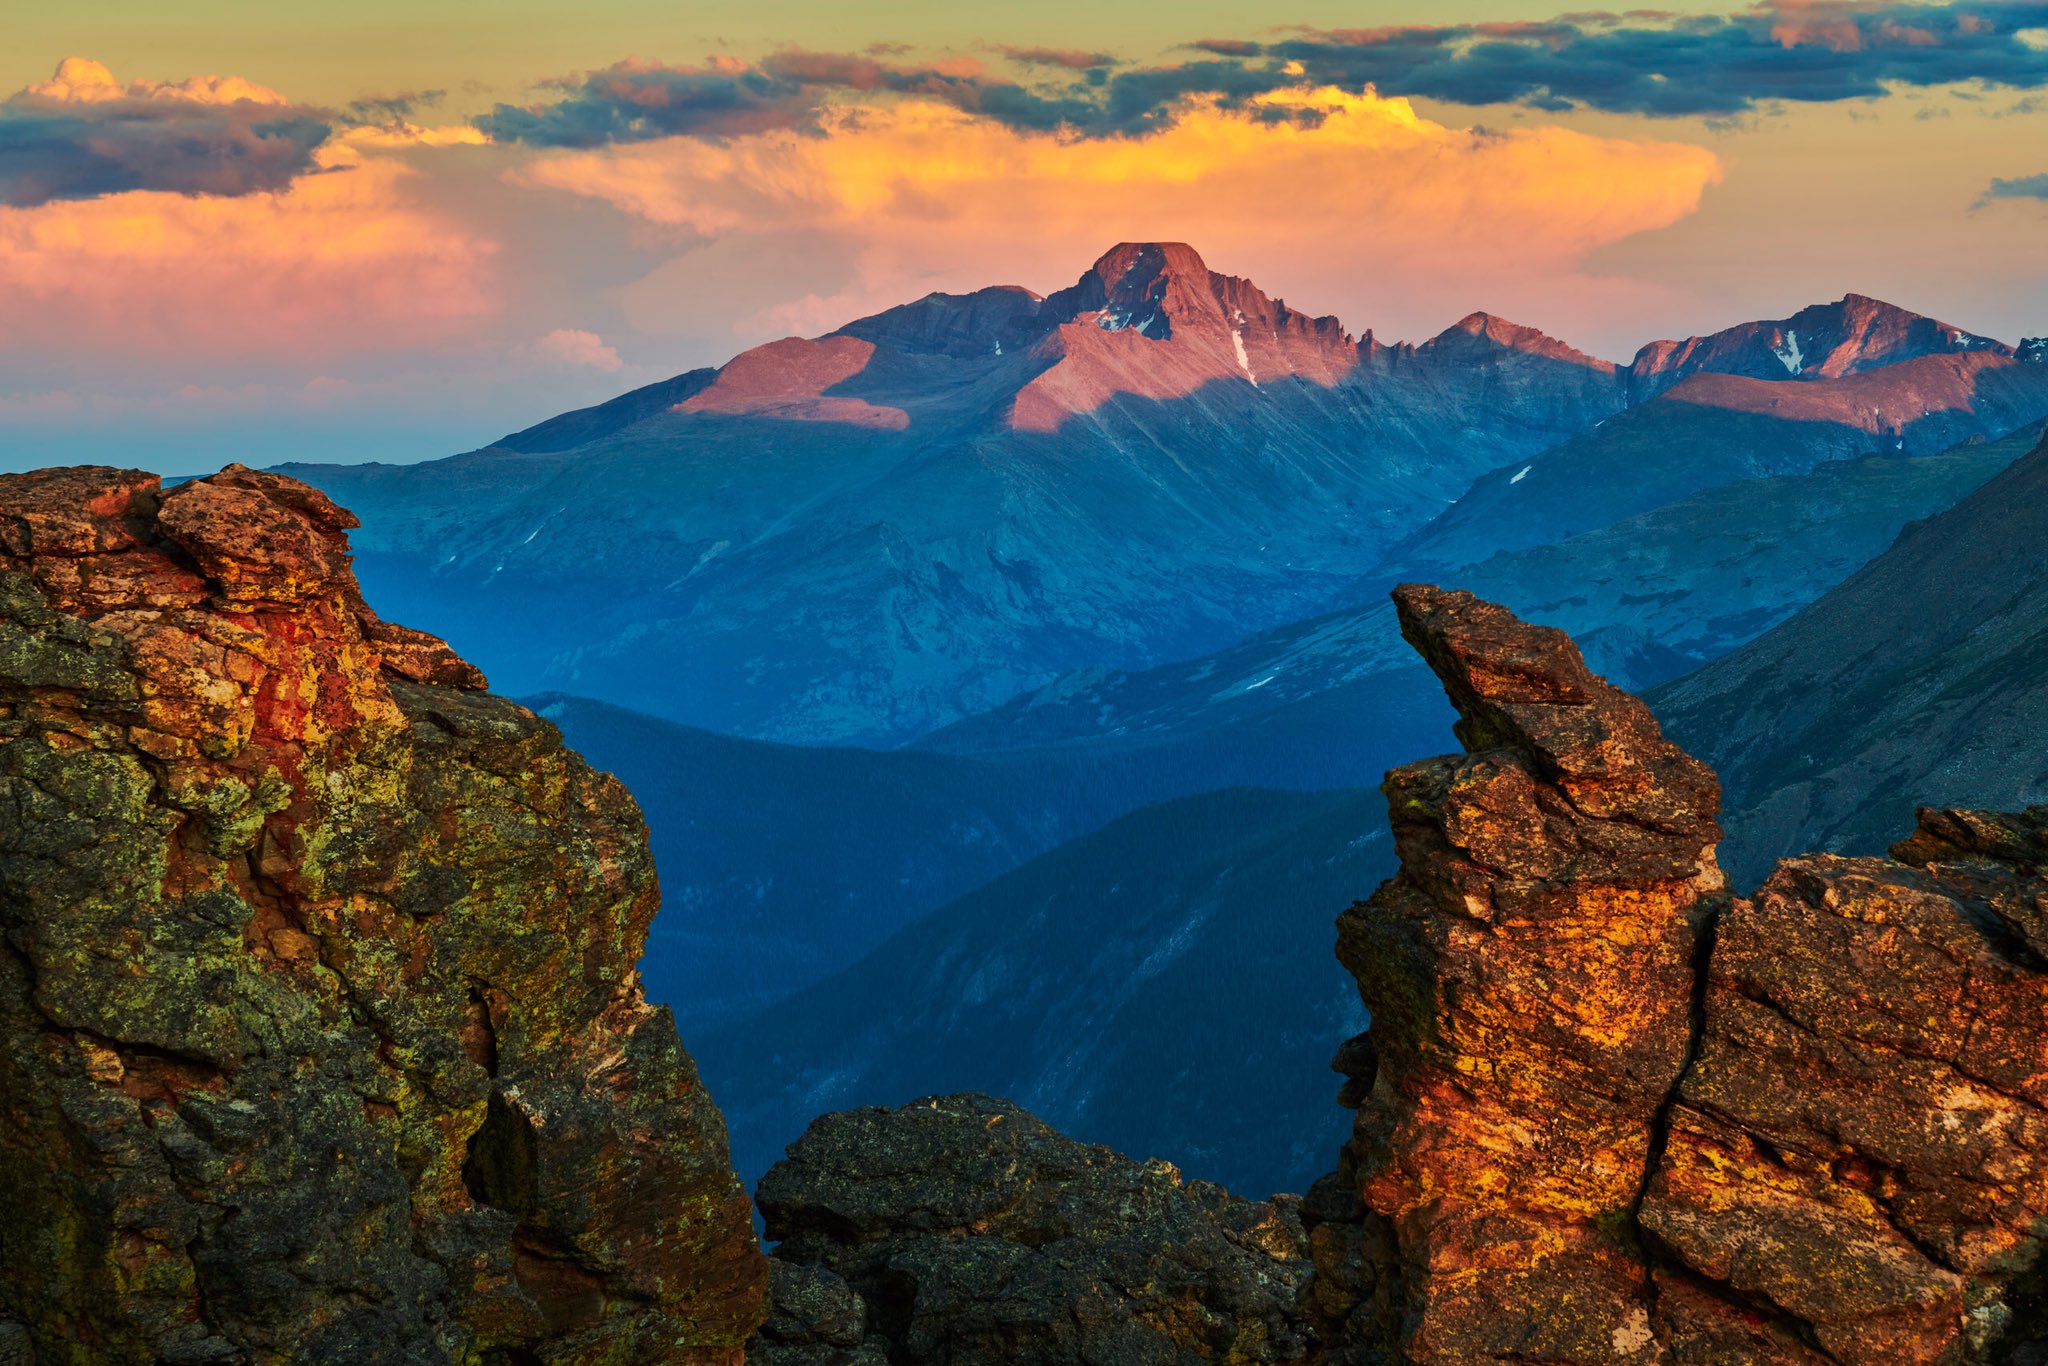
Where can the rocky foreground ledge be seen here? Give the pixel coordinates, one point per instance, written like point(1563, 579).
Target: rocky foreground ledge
point(321, 1035)
point(321, 1040)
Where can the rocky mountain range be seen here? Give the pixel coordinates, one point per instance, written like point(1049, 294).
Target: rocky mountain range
point(322, 1038)
point(863, 537)
point(886, 625)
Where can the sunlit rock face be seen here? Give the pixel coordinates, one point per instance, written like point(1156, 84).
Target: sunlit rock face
point(1530, 977)
point(1609, 1113)
point(321, 1037)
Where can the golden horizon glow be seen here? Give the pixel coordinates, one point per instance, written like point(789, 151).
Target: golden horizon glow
point(421, 267)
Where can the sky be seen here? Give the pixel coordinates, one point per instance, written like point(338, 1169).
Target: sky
point(258, 231)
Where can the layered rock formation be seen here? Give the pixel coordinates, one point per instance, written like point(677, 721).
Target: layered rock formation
point(1530, 978)
point(1608, 1113)
point(962, 1230)
point(321, 1037)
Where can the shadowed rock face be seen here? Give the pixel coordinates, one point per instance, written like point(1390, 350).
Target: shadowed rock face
point(320, 1032)
point(961, 1229)
point(1608, 1114)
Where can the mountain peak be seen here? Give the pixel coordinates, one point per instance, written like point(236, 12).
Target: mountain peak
point(1488, 329)
point(1148, 286)
point(1154, 258)
point(1821, 341)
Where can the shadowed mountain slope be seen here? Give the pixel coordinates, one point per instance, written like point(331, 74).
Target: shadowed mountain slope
point(1649, 598)
point(1110, 986)
point(1919, 679)
point(1715, 429)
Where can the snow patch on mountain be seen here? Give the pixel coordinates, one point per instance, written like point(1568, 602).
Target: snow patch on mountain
point(1788, 352)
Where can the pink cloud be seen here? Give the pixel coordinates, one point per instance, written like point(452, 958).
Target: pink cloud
point(343, 259)
point(577, 349)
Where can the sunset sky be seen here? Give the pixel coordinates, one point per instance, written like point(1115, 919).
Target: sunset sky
point(396, 229)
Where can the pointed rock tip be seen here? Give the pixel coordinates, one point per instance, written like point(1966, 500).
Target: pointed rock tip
point(1484, 652)
point(1527, 688)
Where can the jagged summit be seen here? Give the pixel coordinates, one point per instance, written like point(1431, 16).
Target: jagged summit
point(1821, 341)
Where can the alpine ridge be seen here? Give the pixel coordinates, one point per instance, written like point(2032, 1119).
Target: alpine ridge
point(918, 516)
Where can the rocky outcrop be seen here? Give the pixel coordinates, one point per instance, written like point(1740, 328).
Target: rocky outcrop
point(1530, 977)
point(960, 1229)
point(1860, 1154)
point(321, 1037)
point(1608, 1113)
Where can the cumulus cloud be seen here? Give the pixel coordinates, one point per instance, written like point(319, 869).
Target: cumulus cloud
point(1336, 190)
point(577, 350)
point(83, 134)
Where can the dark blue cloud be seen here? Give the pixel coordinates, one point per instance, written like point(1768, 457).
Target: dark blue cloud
point(636, 101)
point(2021, 187)
point(54, 148)
point(1703, 65)
point(1063, 58)
point(1645, 62)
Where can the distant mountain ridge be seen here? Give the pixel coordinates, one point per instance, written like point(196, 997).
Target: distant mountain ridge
point(860, 537)
point(1824, 341)
point(1154, 288)
point(863, 537)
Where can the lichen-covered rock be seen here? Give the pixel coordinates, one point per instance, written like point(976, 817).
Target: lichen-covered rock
point(814, 1319)
point(972, 1233)
point(1860, 1152)
point(1529, 974)
point(1608, 1113)
point(321, 1037)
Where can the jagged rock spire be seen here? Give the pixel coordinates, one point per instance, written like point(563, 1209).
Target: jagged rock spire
point(1607, 1113)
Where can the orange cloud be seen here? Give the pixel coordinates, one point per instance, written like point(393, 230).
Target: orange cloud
point(80, 80)
point(343, 259)
point(1302, 185)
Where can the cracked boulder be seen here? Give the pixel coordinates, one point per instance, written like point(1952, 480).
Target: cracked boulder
point(1608, 1113)
point(321, 1034)
point(963, 1230)
point(1858, 1159)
